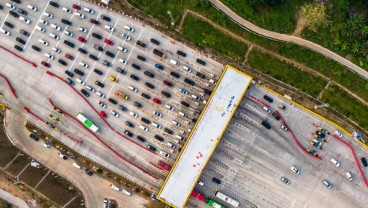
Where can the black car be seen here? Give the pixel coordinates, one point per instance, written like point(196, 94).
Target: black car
point(16, 1)
point(84, 92)
point(149, 85)
point(208, 92)
point(23, 32)
point(134, 77)
point(36, 48)
point(141, 58)
point(18, 48)
point(277, 117)
point(169, 131)
point(69, 81)
point(69, 73)
point(185, 104)
point(20, 40)
point(70, 44)
point(140, 43)
point(129, 124)
point(120, 70)
point(268, 98)
point(22, 11)
point(128, 133)
point(364, 161)
point(9, 24)
point(54, 4)
point(174, 74)
point(154, 41)
point(138, 105)
point(200, 75)
point(34, 137)
point(93, 57)
point(97, 47)
point(108, 53)
point(159, 138)
point(149, 74)
point(136, 66)
point(67, 22)
point(145, 96)
point(89, 172)
point(266, 125)
point(95, 35)
point(200, 61)
point(181, 53)
point(216, 180)
point(152, 148)
point(189, 81)
point(93, 21)
point(106, 18)
point(82, 50)
point(100, 84)
point(145, 120)
point(142, 139)
point(98, 71)
point(122, 108)
point(77, 71)
point(62, 62)
point(113, 101)
point(106, 63)
point(14, 14)
point(1, 7)
point(166, 94)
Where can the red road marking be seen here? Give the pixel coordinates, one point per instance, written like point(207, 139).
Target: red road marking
point(30, 112)
point(30, 62)
point(11, 88)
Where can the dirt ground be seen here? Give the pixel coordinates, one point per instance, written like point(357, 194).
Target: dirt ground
point(18, 164)
point(7, 150)
point(32, 175)
point(300, 26)
point(77, 203)
point(8, 186)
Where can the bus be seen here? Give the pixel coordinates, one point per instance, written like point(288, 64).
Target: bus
point(214, 204)
point(87, 122)
point(227, 199)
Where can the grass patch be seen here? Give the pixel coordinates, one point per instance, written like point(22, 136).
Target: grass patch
point(287, 73)
point(204, 34)
point(347, 105)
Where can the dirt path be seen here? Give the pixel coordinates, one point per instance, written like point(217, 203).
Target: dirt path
point(302, 22)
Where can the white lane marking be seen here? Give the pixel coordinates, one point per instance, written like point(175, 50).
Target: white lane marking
point(293, 203)
point(24, 48)
point(305, 205)
point(124, 65)
point(5, 20)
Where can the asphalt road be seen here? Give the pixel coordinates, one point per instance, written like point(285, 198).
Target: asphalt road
point(12, 199)
point(288, 38)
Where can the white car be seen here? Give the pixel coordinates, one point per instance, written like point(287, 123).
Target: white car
point(49, 56)
point(43, 22)
point(83, 64)
point(32, 8)
point(143, 128)
point(54, 36)
point(103, 105)
point(114, 113)
point(295, 170)
point(57, 50)
point(25, 20)
point(125, 50)
point(82, 29)
point(67, 10)
point(284, 128)
point(11, 6)
point(123, 61)
point(111, 29)
point(90, 88)
point(165, 154)
point(100, 94)
point(80, 15)
point(134, 114)
point(58, 28)
point(91, 11)
point(46, 145)
point(41, 29)
point(48, 15)
point(187, 68)
point(157, 114)
point(5, 32)
point(338, 134)
point(266, 109)
point(43, 42)
point(333, 161)
point(70, 34)
point(348, 176)
point(169, 107)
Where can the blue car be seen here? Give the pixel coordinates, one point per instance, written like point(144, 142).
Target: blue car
point(183, 91)
point(159, 66)
point(69, 81)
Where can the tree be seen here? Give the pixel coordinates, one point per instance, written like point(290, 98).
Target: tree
point(315, 14)
point(364, 30)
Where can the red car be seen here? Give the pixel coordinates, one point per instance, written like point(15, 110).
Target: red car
point(76, 7)
point(167, 83)
point(108, 42)
point(198, 196)
point(82, 40)
point(103, 114)
point(156, 101)
point(163, 165)
point(45, 64)
point(69, 56)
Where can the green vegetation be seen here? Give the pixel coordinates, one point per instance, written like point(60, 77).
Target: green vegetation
point(287, 73)
point(204, 34)
point(346, 105)
point(276, 15)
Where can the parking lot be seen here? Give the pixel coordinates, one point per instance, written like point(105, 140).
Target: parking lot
point(250, 161)
point(130, 88)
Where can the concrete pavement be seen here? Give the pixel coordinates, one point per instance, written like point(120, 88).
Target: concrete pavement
point(94, 188)
point(12, 199)
point(288, 38)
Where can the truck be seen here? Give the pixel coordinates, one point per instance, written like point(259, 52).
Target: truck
point(159, 53)
point(140, 43)
point(121, 95)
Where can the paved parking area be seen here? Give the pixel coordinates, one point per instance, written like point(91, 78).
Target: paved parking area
point(250, 160)
point(35, 87)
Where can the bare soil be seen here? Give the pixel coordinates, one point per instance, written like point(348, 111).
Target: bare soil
point(302, 22)
point(32, 175)
point(18, 164)
point(77, 203)
point(7, 150)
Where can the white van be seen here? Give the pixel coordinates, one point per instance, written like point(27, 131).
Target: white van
point(126, 192)
point(156, 125)
point(115, 187)
point(129, 28)
point(182, 114)
point(80, 81)
point(91, 11)
point(172, 61)
point(41, 29)
point(143, 128)
point(77, 165)
point(5, 31)
point(186, 68)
